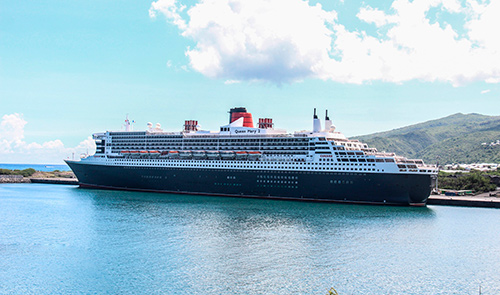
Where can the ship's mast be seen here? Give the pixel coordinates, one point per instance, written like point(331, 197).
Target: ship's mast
point(128, 124)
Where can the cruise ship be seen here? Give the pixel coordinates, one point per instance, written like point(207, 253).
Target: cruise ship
point(241, 160)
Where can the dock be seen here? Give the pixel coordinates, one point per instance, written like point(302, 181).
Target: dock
point(68, 181)
point(481, 200)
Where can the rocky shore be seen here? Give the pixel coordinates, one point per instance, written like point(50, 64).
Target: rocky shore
point(14, 179)
point(57, 177)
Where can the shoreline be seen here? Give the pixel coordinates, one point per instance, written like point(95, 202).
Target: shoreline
point(70, 181)
point(481, 200)
point(52, 177)
point(52, 180)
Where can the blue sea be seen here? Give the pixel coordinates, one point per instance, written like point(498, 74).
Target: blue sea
point(37, 167)
point(57, 239)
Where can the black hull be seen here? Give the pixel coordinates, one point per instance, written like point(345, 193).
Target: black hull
point(345, 187)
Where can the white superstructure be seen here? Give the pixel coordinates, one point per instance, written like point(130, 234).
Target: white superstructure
point(240, 145)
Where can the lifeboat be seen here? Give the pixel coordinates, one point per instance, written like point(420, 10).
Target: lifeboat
point(154, 154)
point(227, 155)
point(213, 155)
point(163, 154)
point(254, 155)
point(143, 153)
point(241, 155)
point(134, 153)
point(173, 154)
point(199, 154)
point(185, 154)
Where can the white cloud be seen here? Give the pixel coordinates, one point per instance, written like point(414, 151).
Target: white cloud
point(170, 9)
point(13, 147)
point(373, 15)
point(284, 41)
point(11, 131)
point(254, 40)
point(485, 91)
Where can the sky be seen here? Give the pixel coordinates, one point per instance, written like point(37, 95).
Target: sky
point(72, 68)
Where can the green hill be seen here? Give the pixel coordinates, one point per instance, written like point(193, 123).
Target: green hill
point(454, 139)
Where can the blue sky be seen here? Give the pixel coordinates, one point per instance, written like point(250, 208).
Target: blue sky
point(72, 68)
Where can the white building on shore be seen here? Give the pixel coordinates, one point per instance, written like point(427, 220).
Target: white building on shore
point(451, 168)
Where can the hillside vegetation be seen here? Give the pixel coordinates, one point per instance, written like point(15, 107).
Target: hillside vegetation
point(25, 173)
point(454, 139)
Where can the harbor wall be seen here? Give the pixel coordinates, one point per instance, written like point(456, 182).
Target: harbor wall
point(21, 179)
point(69, 181)
point(473, 201)
point(13, 179)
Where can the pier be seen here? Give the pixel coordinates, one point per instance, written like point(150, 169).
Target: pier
point(481, 200)
point(68, 181)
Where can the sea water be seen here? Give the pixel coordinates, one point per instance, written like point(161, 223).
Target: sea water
point(57, 239)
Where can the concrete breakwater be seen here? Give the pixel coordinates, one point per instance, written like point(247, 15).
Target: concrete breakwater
point(70, 181)
point(21, 179)
point(482, 200)
point(13, 179)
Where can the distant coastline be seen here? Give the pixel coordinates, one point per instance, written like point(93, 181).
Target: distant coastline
point(37, 167)
point(30, 175)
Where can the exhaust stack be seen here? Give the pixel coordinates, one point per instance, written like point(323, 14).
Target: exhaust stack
point(328, 122)
point(236, 113)
point(329, 127)
point(316, 123)
point(265, 123)
point(190, 125)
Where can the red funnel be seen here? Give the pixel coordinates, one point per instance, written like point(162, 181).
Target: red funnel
point(236, 113)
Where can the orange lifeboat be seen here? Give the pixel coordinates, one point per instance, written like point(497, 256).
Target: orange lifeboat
point(186, 154)
point(213, 154)
point(154, 154)
point(241, 155)
point(227, 155)
point(199, 154)
point(254, 155)
point(173, 154)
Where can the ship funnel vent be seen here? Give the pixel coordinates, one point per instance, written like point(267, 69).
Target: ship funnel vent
point(236, 113)
point(316, 123)
point(265, 123)
point(190, 125)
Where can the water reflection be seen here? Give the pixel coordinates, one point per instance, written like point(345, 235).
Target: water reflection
point(57, 239)
point(251, 243)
